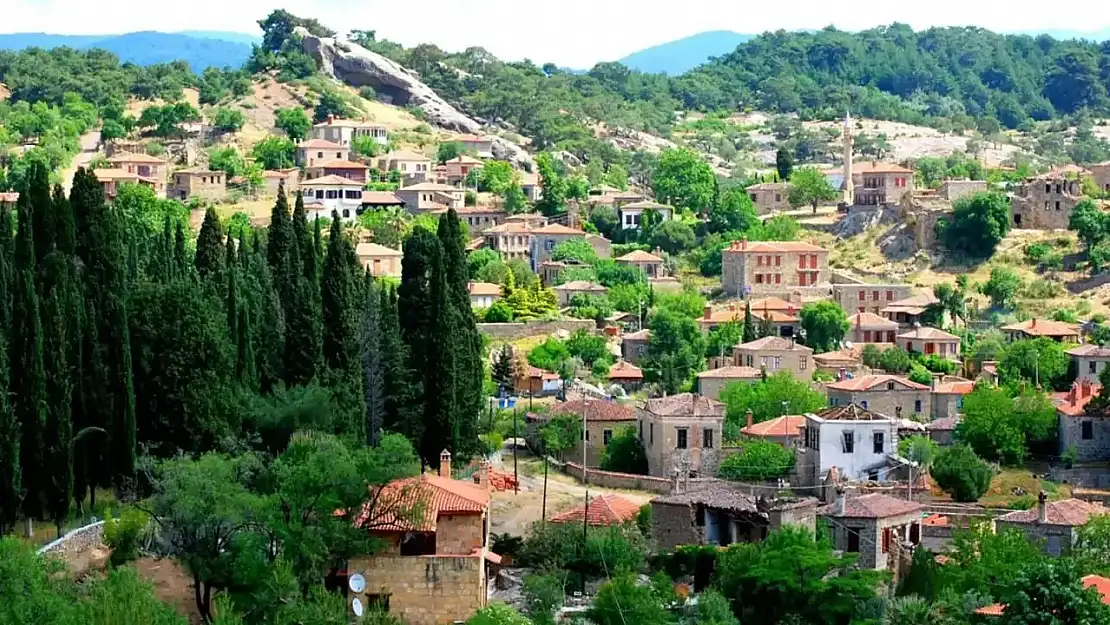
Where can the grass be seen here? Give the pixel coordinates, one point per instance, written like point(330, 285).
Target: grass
point(1018, 479)
point(44, 532)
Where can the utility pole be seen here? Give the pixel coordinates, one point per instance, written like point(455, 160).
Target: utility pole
point(586, 501)
point(516, 477)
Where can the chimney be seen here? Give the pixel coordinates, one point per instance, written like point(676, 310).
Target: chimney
point(1042, 508)
point(445, 463)
point(840, 507)
point(708, 311)
point(744, 243)
point(935, 381)
point(1033, 324)
point(483, 475)
point(1073, 394)
point(676, 483)
point(750, 417)
point(331, 119)
point(898, 412)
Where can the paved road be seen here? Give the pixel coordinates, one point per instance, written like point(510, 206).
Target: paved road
point(89, 144)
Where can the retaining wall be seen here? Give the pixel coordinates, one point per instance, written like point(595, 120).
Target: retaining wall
point(76, 540)
point(513, 331)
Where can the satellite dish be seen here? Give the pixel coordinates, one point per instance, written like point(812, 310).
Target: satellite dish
point(357, 583)
point(356, 605)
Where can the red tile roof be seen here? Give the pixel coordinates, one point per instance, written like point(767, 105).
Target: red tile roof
point(601, 510)
point(136, 158)
point(929, 334)
point(381, 198)
point(1087, 349)
point(871, 382)
point(684, 405)
point(340, 164)
point(9, 197)
point(871, 320)
point(773, 246)
point(557, 229)
point(1063, 512)
point(1043, 327)
point(639, 335)
point(732, 372)
point(415, 504)
point(946, 424)
point(774, 343)
point(595, 410)
point(956, 388)
point(840, 355)
point(994, 609)
point(483, 288)
point(872, 506)
point(875, 167)
point(319, 144)
point(1073, 402)
point(1099, 583)
point(639, 256)
point(625, 371)
point(789, 425)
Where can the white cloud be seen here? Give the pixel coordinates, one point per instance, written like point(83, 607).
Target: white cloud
point(573, 33)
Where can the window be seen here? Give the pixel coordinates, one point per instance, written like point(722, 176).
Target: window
point(874, 296)
point(748, 360)
point(887, 535)
point(863, 404)
point(707, 438)
point(319, 155)
point(346, 213)
point(759, 278)
point(890, 296)
point(759, 261)
point(1047, 188)
point(873, 475)
point(353, 194)
point(606, 436)
point(332, 194)
point(849, 442)
point(1092, 367)
point(813, 261)
point(777, 363)
point(1057, 204)
point(803, 362)
point(867, 336)
point(862, 295)
point(641, 424)
point(853, 540)
point(699, 516)
point(802, 261)
point(917, 406)
point(319, 194)
point(338, 156)
point(878, 443)
point(1088, 430)
point(587, 436)
point(890, 386)
point(680, 443)
point(651, 434)
point(778, 261)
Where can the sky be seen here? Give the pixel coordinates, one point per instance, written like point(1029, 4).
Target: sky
point(570, 33)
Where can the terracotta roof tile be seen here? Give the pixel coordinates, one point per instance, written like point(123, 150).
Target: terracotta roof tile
point(685, 404)
point(725, 496)
point(430, 186)
point(557, 229)
point(839, 356)
point(871, 506)
point(483, 288)
point(114, 174)
point(331, 180)
point(647, 205)
point(128, 157)
point(1063, 512)
point(871, 382)
point(928, 333)
point(639, 335)
point(625, 371)
point(1099, 583)
point(871, 320)
point(732, 372)
point(581, 285)
point(788, 425)
point(773, 303)
point(319, 144)
point(430, 494)
point(339, 164)
point(776, 343)
point(994, 609)
point(744, 247)
point(964, 387)
point(595, 410)
point(1073, 402)
point(1090, 350)
point(380, 198)
point(639, 256)
point(601, 510)
point(1043, 327)
point(375, 249)
point(875, 167)
point(406, 155)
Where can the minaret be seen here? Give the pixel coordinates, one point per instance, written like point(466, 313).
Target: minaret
point(846, 136)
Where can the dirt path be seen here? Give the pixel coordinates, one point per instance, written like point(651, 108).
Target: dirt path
point(89, 143)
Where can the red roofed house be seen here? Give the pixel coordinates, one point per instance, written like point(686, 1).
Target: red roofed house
point(870, 525)
point(772, 267)
point(603, 418)
point(9, 198)
point(785, 430)
point(478, 144)
point(930, 341)
point(1087, 434)
point(682, 432)
point(889, 395)
point(142, 165)
point(457, 168)
point(627, 375)
point(338, 167)
point(712, 382)
point(948, 396)
point(774, 354)
point(1056, 330)
point(433, 568)
point(650, 264)
point(413, 166)
point(602, 510)
point(313, 151)
point(634, 345)
point(880, 184)
point(1090, 360)
point(537, 382)
point(332, 193)
point(871, 328)
point(545, 238)
point(1053, 523)
point(907, 312)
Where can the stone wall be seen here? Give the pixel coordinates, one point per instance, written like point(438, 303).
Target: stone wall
point(76, 540)
point(1094, 449)
point(626, 481)
point(459, 534)
point(424, 590)
point(674, 525)
point(1045, 203)
point(1090, 477)
point(514, 331)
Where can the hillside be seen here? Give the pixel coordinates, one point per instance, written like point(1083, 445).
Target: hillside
point(200, 50)
point(682, 55)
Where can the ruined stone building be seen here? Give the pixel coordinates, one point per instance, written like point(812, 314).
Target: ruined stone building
point(1045, 202)
point(722, 514)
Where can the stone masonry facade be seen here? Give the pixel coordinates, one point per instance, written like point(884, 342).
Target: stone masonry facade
point(424, 590)
point(1089, 436)
point(886, 402)
point(1045, 202)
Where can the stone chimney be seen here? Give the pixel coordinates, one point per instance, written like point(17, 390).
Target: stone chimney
point(840, 502)
point(1042, 508)
point(445, 463)
point(676, 483)
point(897, 412)
point(744, 243)
point(935, 381)
point(708, 311)
point(1033, 323)
point(1073, 393)
point(331, 119)
point(750, 417)
point(483, 475)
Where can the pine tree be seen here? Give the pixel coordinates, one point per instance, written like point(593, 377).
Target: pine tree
point(338, 302)
point(209, 259)
point(373, 365)
point(749, 334)
point(502, 373)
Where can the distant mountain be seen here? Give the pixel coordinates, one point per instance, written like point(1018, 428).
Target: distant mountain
point(1098, 35)
point(677, 57)
point(222, 35)
point(148, 47)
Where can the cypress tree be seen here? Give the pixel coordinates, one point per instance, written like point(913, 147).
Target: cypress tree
point(65, 235)
point(6, 272)
point(11, 489)
point(41, 226)
point(303, 239)
point(245, 370)
point(401, 386)
point(467, 342)
point(373, 374)
point(280, 238)
point(749, 334)
point(311, 270)
point(266, 321)
point(337, 302)
point(441, 410)
point(59, 305)
point(209, 259)
point(231, 301)
point(302, 324)
point(180, 258)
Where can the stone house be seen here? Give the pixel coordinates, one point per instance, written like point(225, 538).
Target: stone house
point(870, 298)
point(545, 238)
point(537, 382)
point(1090, 360)
point(483, 294)
point(769, 197)
point(1034, 328)
point(856, 442)
point(338, 167)
point(943, 431)
point(842, 363)
point(880, 184)
point(682, 433)
point(634, 345)
point(604, 419)
point(1045, 202)
point(430, 197)
point(712, 382)
point(433, 569)
point(343, 131)
point(1100, 173)
point(377, 200)
point(567, 291)
point(413, 166)
point(289, 178)
point(476, 144)
point(931, 341)
point(379, 259)
point(1054, 524)
point(784, 321)
point(332, 193)
point(953, 190)
point(650, 264)
point(313, 151)
point(531, 185)
point(908, 312)
point(723, 514)
point(773, 267)
point(871, 328)
point(512, 239)
point(481, 218)
point(602, 247)
point(626, 375)
point(600, 511)
point(774, 354)
point(871, 525)
point(1087, 434)
point(457, 169)
point(112, 179)
point(629, 215)
point(197, 182)
point(142, 165)
point(948, 396)
point(785, 430)
point(888, 395)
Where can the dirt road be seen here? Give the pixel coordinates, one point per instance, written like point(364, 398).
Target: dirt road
point(89, 143)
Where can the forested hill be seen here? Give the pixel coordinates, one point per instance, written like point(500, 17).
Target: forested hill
point(940, 72)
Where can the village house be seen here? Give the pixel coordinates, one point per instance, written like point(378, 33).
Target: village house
point(682, 433)
point(889, 395)
point(142, 165)
point(1090, 360)
point(332, 193)
point(772, 267)
point(957, 189)
point(870, 298)
point(313, 151)
point(1034, 328)
point(948, 395)
point(483, 294)
point(431, 569)
point(785, 430)
point(604, 419)
point(783, 322)
point(774, 354)
point(634, 345)
point(630, 215)
point(379, 259)
point(9, 198)
point(856, 441)
point(723, 514)
point(880, 184)
point(342, 168)
point(343, 131)
point(377, 200)
point(531, 185)
point(567, 291)
point(1085, 434)
point(476, 144)
point(908, 312)
point(1045, 202)
point(769, 197)
point(870, 525)
point(1099, 583)
point(650, 264)
point(943, 431)
point(481, 218)
point(197, 182)
point(1100, 173)
point(112, 179)
point(290, 179)
point(931, 341)
point(512, 239)
point(841, 364)
point(602, 247)
point(413, 166)
point(1053, 524)
point(712, 382)
point(430, 197)
point(536, 382)
point(871, 328)
point(626, 375)
point(600, 511)
point(545, 238)
point(456, 169)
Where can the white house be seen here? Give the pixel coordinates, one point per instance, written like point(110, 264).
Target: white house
point(483, 294)
point(856, 441)
point(343, 131)
point(325, 194)
point(631, 214)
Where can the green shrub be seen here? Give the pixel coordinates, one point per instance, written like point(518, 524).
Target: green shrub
point(123, 536)
point(643, 519)
point(962, 474)
point(544, 594)
point(757, 460)
point(558, 547)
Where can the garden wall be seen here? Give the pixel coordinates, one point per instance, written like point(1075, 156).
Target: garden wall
point(514, 331)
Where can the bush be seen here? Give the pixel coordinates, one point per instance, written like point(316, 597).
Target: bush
point(498, 613)
point(506, 544)
point(758, 460)
point(544, 595)
point(962, 474)
point(124, 534)
point(643, 519)
point(937, 364)
point(625, 454)
point(558, 547)
point(895, 360)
